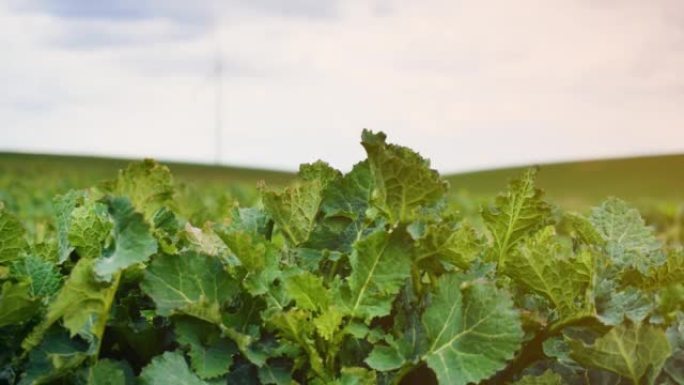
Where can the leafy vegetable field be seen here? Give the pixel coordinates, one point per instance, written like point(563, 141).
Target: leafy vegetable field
point(369, 277)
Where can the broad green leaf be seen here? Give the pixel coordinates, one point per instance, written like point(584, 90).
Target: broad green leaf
point(107, 372)
point(82, 304)
point(614, 306)
point(54, 358)
point(133, 242)
point(581, 228)
point(258, 260)
point(629, 242)
point(63, 206)
point(147, 184)
point(16, 303)
point(318, 171)
point(169, 369)
point(380, 264)
point(307, 290)
point(350, 195)
point(628, 350)
point(669, 273)
point(455, 245)
point(473, 329)
point(385, 358)
point(518, 212)
point(294, 209)
point(89, 228)
point(42, 276)
point(544, 267)
point(403, 180)
point(546, 378)
point(204, 240)
point(12, 241)
point(189, 283)
point(210, 354)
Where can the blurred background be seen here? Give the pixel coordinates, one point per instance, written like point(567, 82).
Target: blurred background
point(268, 84)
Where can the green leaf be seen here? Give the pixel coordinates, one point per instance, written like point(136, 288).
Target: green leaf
point(455, 245)
point(275, 374)
point(350, 195)
point(294, 325)
point(189, 283)
point(516, 213)
point(328, 323)
point(629, 242)
point(473, 330)
point(403, 180)
point(148, 185)
point(210, 354)
point(82, 304)
point(54, 358)
point(107, 372)
point(380, 264)
point(89, 228)
point(385, 358)
point(294, 209)
point(307, 290)
point(614, 306)
point(42, 276)
point(628, 350)
point(16, 303)
point(63, 206)
point(133, 242)
point(357, 376)
point(544, 267)
point(546, 378)
point(258, 259)
point(169, 369)
point(204, 241)
point(12, 241)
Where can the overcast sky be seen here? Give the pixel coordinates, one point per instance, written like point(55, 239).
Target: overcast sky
point(471, 84)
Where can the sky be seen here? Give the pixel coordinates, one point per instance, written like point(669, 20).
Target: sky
point(470, 84)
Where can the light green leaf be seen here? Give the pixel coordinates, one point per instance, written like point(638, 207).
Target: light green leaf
point(328, 322)
point(12, 241)
point(204, 240)
point(307, 290)
point(546, 378)
point(258, 259)
point(63, 206)
point(516, 213)
point(546, 268)
point(473, 330)
point(629, 242)
point(169, 369)
point(294, 325)
point(385, 358)
point(133, 242)
point(148, 185)
point(350, 195)
point(380, 264)
point(89, 228)
point(357, 376)
point(82, 304)
point(294, 209)
point(41, 275)
point(628, 350)
point(16, 303)
point(403, 180)
point(210, 354)
point(189, 283)
point(614, 306)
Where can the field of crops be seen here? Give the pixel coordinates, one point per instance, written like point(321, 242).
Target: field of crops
point(382, 275)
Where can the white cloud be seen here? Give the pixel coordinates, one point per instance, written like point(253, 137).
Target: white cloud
point(470, 84)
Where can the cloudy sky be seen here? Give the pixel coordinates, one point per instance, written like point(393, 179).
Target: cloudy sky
point(471, 84)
